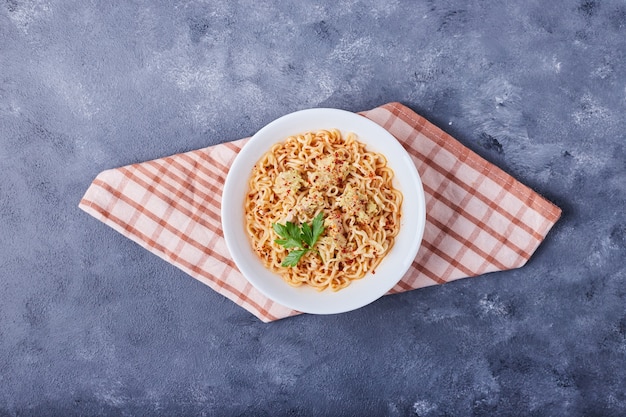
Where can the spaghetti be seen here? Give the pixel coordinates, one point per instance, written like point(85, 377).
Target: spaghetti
point(327, 172)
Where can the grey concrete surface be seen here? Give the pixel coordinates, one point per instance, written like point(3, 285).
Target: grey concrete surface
point(91, 324)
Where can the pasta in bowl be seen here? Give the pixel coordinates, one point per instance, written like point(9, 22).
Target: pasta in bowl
point(323, 211)
point(333, 178)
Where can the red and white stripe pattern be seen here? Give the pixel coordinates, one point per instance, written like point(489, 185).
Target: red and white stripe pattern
point(479, 219)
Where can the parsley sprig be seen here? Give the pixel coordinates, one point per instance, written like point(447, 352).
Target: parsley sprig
point(301, 238)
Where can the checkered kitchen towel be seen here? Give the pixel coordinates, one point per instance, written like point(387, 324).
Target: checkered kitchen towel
point(479, 219)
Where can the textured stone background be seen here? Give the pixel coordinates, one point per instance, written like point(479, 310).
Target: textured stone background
point(91, 324)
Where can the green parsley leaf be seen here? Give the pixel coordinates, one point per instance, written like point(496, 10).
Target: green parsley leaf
point(318, 227)
point(280, 229)
point(293, 230)
point(293, 257)
point(289, 243)
point(303, 238)
point(307, 235)
point(289, 233)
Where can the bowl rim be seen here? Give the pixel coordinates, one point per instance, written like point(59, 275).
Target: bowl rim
point(306, 299)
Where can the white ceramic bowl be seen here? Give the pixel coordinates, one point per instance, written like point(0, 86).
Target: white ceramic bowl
point(361, 292)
